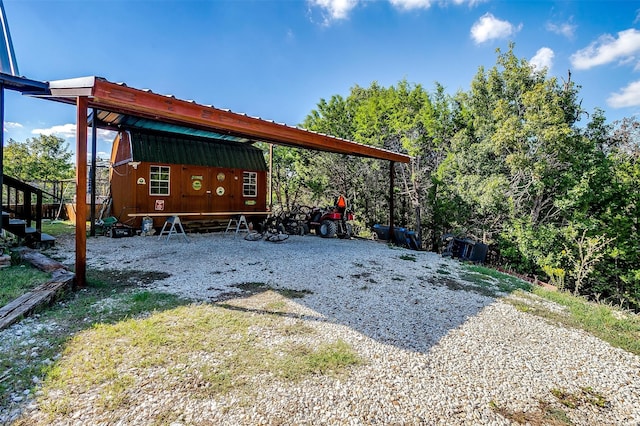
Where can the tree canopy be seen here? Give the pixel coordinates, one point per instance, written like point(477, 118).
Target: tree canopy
point(43, 158)
point(509, 162)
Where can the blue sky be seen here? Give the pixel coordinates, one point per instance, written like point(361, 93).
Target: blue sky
point(277, 58)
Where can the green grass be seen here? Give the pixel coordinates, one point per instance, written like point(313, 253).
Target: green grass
point(293, 294)
point(108, 298)
point(57, 228)
point(618, 328)
point(544, 415)
point(493, 280)
point(409, 257)
point(112, 357)
point(17, 280)
point(549, 413)
point(102, 338)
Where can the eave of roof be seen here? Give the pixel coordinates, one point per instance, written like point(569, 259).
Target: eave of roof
point(23, 84)
point(114, 97)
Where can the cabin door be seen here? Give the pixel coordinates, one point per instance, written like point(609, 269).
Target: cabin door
point(225, 190)
point(196, 189)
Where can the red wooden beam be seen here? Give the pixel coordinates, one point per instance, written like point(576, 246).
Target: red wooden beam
point(81, 191)
point(126, 100)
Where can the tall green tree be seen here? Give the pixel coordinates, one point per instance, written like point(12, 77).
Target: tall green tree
point(42, 158)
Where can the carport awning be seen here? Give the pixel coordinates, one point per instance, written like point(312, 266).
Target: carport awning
point(117, 103)
point(114, 103)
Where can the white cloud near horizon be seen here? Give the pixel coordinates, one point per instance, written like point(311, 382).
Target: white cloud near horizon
point(608, 49)
point(627, 97)
point(68, 131)
point(488, 27)
point(542, 59)
point(11, 125)
point(63, 130)
point(566, 29)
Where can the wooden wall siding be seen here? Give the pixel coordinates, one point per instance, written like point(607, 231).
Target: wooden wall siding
point(131, 197)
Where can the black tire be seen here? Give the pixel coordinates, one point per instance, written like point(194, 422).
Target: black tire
point(328, 229)
point(253, 236)
point(305, 228)
point(348, 231)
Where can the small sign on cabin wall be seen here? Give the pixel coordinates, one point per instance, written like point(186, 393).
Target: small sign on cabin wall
point(141, 181)
point(159, 205)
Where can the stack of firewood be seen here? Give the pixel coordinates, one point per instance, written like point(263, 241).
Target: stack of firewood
point(5, 260)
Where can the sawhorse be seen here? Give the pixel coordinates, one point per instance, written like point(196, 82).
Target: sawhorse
point(175, 227)
point(239, 223)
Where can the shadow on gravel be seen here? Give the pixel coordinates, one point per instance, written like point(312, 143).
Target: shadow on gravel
point(411, 306)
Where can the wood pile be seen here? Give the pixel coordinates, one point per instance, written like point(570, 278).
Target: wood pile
point(5, 260)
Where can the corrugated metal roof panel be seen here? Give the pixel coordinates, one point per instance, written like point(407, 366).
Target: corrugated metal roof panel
point(197, 152)
point(131, 122)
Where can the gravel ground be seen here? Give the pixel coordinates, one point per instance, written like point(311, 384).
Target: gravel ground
point(434, 353)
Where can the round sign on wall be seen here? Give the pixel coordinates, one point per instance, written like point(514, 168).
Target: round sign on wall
point(197, 185)
point(220, 177)
point(220, 190)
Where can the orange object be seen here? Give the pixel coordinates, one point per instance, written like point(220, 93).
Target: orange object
point(341, 203)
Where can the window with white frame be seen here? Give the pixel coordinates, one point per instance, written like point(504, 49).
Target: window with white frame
point(250, 184)
point(159, 178)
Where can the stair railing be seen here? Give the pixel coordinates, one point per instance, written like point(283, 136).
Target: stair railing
point(17, 198)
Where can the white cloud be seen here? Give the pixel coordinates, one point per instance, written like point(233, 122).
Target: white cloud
point(608, 49)
point(64, 130)
point(542, 59)
point(629, 96)
point(488, 27)
point(411, 4)
point(12, 125)
point(68, 131)
point(334, 9)
point(471, 2)
point(566, 29)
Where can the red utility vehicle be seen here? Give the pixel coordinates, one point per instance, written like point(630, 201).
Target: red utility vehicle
point(333, 221)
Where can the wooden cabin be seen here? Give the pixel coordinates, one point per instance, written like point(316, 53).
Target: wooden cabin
point(205, 181)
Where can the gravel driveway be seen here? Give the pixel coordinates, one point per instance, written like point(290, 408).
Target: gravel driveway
point(435, 353)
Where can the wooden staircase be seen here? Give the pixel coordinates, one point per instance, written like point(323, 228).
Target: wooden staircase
point(18, 217)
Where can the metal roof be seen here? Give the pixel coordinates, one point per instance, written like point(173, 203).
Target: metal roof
point(117, 98)
point(106, 119)
point(164, 148)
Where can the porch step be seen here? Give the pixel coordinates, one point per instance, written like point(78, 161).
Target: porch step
point(19, 228)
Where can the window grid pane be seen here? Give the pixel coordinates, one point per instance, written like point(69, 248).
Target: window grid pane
point(250, 184)
point(159, 179)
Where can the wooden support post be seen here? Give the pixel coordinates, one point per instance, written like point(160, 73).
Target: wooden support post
point(92, 177)
point(270, 189)
point(1, 150)
point(81, 191)
point(392, 175)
